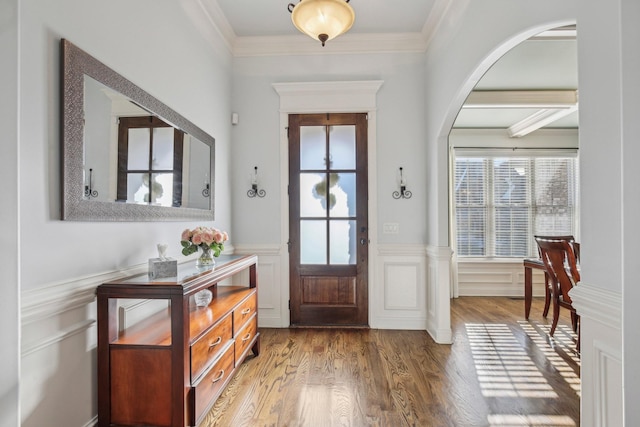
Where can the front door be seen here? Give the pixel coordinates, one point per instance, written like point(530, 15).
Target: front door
point(328, 221)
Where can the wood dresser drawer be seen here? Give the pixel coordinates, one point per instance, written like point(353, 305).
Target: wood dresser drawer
point(245, 337)
point(243, 312)
point(211, 384)
point(209, 346)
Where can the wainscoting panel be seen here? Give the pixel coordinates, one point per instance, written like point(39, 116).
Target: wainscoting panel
point(496, 278)
point(399, 300)
point(402, 286)
point(600, 313)
point(272, 313)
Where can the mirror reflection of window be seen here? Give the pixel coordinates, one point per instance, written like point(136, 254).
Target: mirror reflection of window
point(149, 162)
point(164, 183)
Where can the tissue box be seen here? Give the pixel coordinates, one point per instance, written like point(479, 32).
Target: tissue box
point(162, 268)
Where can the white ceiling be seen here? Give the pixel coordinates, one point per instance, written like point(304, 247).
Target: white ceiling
point(544, 63)
point(251, 18)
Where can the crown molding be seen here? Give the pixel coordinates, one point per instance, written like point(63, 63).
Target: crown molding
point(218, 21)
point(300, 44)
point(350, 43)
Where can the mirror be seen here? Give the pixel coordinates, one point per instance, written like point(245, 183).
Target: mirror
point(126, 156)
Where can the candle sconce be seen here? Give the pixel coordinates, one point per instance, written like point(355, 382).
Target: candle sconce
point(89, 192)
point(254, 191)
point(403, 193)
point(206, 191)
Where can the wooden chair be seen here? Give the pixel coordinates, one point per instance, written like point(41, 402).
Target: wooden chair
point(576, 249)
point(560, 261)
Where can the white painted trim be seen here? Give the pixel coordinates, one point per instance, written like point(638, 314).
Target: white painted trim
point(350, 43)
point(438, 293)
point(346, 44)
point(267, 250)
point(604, 408)
point(49, 300)
point(531, 99)
point(63, 334)
point(599, 304)
point(327, 97)
point(601, 368)
point(385, 249)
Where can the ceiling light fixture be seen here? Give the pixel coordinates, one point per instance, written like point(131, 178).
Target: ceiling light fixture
point(322, 19)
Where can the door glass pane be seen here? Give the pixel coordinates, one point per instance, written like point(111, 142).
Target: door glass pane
point(342, 235)
point(138, 188)
point(342, 193)
point(342, 147)
point(312, 147)
point(162, 189)
point(138, 154)
point(163, 148)
point(313, 242)
point(313, 201)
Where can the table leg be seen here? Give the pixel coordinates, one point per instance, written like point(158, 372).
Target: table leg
point(528, 292)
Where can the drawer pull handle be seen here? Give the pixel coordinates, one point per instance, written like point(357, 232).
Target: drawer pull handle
point(215, 343)
point(247, 337)
point(246, 311)
point(215, 380)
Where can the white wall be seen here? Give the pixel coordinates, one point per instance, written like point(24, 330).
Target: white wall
point(9, 224)
point(630, 11)
point(164, 54)
point(167, 48)
point(400, 135)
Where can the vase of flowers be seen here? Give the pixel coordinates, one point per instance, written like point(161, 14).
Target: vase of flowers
point(209, 240)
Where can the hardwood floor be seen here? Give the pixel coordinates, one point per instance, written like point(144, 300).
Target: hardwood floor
point(500, 371)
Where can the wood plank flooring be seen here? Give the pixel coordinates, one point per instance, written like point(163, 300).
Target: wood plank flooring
point(500, 371)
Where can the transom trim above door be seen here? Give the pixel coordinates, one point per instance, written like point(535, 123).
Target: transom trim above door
point(328, 97)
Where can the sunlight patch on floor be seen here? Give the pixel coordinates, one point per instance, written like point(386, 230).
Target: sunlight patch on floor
point(503, 367)
point(563, 339)
point(530, 421)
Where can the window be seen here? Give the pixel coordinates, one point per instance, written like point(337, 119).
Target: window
point(502, 202)
point(149, 162)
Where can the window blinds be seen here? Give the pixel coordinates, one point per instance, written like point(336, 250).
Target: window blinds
point(501, 201)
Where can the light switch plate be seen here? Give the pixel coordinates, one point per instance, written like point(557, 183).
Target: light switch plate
point(390, 228)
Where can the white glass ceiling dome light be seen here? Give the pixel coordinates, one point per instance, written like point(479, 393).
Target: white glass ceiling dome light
point(322, 19)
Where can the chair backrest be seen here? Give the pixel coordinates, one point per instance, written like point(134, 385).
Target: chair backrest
point(569, 238)
point(558, 256)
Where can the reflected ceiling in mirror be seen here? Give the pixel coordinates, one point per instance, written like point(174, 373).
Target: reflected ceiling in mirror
point(127, 156)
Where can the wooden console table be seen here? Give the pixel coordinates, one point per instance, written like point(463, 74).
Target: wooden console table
point(169, 369)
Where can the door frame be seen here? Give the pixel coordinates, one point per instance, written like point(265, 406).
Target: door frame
point(328, 97)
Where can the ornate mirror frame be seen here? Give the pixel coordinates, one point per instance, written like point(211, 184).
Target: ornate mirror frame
point(75, 65)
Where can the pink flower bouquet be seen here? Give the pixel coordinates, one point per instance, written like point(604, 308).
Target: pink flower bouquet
point(203, 237)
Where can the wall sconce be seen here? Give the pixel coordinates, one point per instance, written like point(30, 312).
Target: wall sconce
point(89, 192)
point(253, 191)
point(206, 191)
point(403, 193)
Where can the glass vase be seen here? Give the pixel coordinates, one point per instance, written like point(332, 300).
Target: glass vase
point(206, 260)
